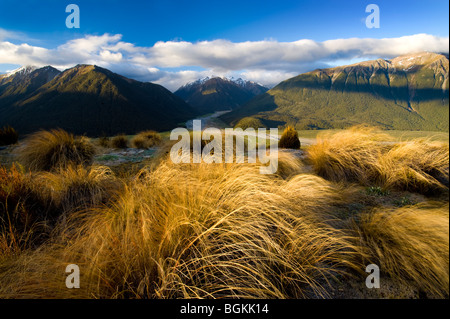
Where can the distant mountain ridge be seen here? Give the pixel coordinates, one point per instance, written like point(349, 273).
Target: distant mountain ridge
point(219, 93)
point(410, 92)
point(87, 99)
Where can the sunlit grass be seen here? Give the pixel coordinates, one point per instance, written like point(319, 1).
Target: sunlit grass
point(227, 231)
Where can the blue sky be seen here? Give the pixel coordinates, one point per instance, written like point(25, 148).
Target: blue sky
point(142, 24)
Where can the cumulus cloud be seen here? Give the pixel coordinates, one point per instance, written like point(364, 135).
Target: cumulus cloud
point(174, 63)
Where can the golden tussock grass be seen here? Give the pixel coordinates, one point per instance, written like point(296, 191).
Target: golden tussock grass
point(31, 203)
point(146, 139)
point(227, 231)
point(49, 150)
point(290, 139)
point(419, 166)
point(119, 141)
point(410, 244)
point(104, 141)
point(22, 212)
point(77, 188)
point(190, 231)
point(368, 157)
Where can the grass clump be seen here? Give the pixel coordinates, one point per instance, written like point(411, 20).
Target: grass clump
point(119, 141)
point(290, 139)
point(370, 158)
point(32, 204)
point(55, 149)
point(409, 244)
point(377, 191)
point(226, 231)
point(146, 139)
point(78, 188)
point(8, 136)
point(23, 212)
point(104, 141)
point(351, 155)
point(419, 165)
point(190, 231)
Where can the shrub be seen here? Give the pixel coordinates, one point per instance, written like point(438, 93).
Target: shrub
point(8, 136)
point(119, 141)
point(55, 149)
point(289, 139)
point(146, 139)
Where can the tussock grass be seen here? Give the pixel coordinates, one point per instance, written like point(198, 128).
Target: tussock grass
point(227, 231)
point(23, 212)
point(190, 231)
point(369, 157)
point(350, 155)
point(410, 244)
point(78, 188)
point(290, 139)
point(104, 141)
point(419, 165)
point(288, 165)
point(146, 139)
point(119, 141)
point(55, 149)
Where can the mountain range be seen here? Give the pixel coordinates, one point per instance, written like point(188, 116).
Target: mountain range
point(410, 92)
point(219, 94)
point(87, 99)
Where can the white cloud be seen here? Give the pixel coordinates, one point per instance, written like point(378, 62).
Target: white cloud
point(108, 56)
point(174, 63)
point(5, 34)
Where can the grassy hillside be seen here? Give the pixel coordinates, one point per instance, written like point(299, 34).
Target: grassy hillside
point(407, 93)
point(23, 83)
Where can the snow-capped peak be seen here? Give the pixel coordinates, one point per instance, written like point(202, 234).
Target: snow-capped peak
point(238, 81)
point(22, 70)
point(411, 61)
